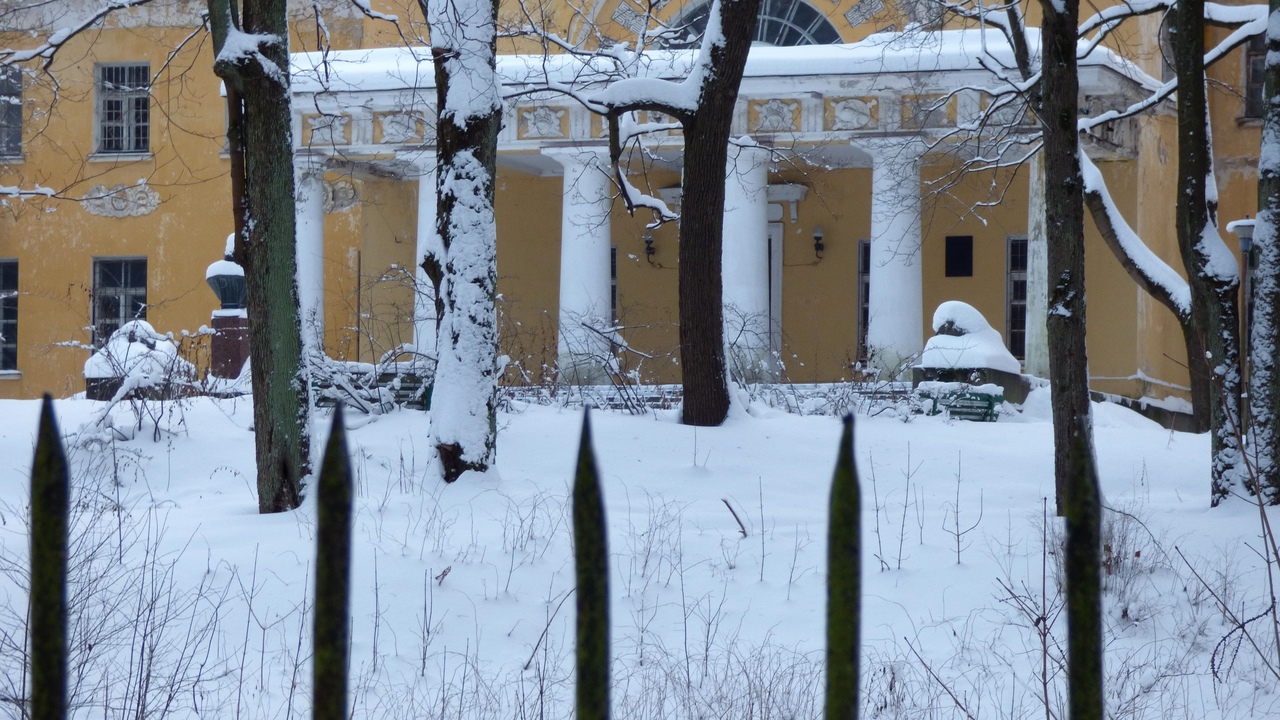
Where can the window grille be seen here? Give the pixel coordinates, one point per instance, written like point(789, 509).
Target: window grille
point(119, 294)
point(124, 108)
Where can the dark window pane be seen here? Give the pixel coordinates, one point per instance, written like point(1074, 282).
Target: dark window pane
point(959, 256)
point(1255, 75)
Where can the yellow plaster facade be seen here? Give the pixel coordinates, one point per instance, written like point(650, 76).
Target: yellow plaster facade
point(1135, 345)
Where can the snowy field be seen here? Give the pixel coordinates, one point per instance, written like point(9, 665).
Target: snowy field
point(186, 603)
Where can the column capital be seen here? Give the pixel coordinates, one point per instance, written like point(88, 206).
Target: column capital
point(570, 155)
point(418, 163)
point(743, 152)
point(906, 150)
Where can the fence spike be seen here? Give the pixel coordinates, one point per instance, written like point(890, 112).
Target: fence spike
point(844, 584)
point(50, 497)
point(591, 561)
point(333, 578)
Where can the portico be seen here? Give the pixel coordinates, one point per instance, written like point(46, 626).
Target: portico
point(847, 155)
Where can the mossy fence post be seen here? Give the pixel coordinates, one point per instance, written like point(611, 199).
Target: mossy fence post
point(333, 578)
point(591, 562)
point(844, 584)
point(50, 497)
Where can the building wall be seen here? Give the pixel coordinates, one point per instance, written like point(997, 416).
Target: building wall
point(369, 247)
point(55, 241)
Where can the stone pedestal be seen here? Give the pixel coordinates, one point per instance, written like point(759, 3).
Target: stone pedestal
point(230, 346)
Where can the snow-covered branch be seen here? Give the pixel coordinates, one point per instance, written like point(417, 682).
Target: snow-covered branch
point(46, 50)
point(1146, 268)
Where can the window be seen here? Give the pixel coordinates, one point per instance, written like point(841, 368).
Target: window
point(10, 111)
point(613, 284)
point(119, 294)
point(780, 22)
point(124, 108)
point(1255, 73)
point(1016, 299)
point(959, 256)
point(864, 296)
point(8, 314)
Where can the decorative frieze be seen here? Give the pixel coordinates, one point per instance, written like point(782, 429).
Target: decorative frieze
point(543, 122)
point(122, 200)
point(855, 113)
point(403, 128)
point(863, 11)
point(774, 116)
point(921, 112)
point(328, 129)
point(629, 17)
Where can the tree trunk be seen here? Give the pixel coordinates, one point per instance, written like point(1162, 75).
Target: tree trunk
point(1264, 381)
point(1064, 227)
point(464, 402)
point(1213, 346)
point(706, 142)
point(1083, 569)
point(281, 386)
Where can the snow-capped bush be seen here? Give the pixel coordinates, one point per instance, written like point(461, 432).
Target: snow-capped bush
point(140, 357)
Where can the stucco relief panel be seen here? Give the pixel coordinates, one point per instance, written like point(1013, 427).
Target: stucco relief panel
point(854, 113)
point(543, 122)
point(773, 115)
point(121, 201)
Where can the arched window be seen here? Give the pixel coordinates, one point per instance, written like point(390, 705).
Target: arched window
point(781, 22)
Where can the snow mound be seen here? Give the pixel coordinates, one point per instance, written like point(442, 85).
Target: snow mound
point(137, 352)
point(965, 340)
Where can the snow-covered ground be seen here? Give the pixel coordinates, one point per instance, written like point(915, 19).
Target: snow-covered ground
point(462, 602)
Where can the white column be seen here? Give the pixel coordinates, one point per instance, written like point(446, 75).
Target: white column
point(1037, 348)
point(428, 243)
point(310, 250)
point(586, 320)
point(745, 263)
point(895, 330)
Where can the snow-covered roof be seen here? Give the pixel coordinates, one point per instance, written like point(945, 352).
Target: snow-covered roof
point(399, 68)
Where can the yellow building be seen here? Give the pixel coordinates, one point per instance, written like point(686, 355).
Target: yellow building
point(848, 219)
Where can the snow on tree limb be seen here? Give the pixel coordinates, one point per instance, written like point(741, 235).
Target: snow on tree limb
point(1146, 268)
point(57, 39)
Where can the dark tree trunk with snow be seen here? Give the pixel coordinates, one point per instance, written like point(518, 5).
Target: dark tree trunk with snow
point(464, 402)
point(706, 154)
point(1064, 223)
point(706, 389)
point(280, 383)
point(1213, 350)
point(1083, 569)
point(1264, 378)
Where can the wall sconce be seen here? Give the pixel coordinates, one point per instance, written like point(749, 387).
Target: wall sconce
point(648, 246)
point(818, 247)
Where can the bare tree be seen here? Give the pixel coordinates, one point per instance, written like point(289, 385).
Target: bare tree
point(1264, 380)
point(469, 115)
point(701, 103)
point(252, 45)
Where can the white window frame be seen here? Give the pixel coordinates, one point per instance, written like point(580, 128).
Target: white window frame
point(131, 128)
